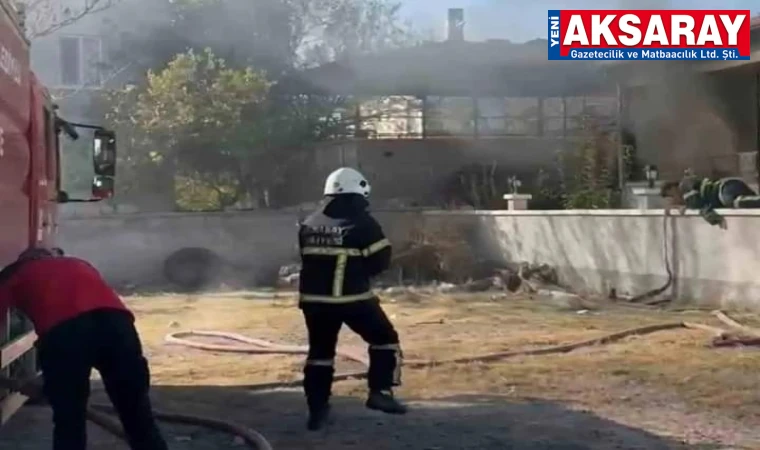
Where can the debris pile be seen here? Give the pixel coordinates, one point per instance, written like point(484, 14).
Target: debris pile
point(740, 335)
point(525, 278)
point(441, 258)
point(539, 274)
point(288, 276)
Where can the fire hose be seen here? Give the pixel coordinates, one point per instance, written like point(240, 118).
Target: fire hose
point(646, 296)
point(98, 413)
point(247, 345)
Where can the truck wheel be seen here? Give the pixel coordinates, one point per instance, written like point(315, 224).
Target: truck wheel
point(192, 268)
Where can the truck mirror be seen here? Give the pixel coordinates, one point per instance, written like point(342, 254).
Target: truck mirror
point(102, 187)
point(104, 153)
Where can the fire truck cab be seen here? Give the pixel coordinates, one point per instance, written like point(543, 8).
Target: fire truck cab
point(30, 182)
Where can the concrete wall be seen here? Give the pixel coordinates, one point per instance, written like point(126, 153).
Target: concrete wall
point(131, 249)
point(625, 250)
point(593, 251)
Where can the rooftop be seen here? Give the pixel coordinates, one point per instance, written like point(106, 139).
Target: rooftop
point(453, 68)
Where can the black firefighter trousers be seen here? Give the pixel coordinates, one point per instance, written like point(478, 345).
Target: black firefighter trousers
point(368, 320)
point(735, 193)
point(107, 341)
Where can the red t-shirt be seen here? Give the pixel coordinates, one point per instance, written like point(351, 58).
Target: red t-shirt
point(52, 290)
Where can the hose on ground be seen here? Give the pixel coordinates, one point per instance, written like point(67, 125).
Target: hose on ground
point(666, 256)
point(259, 346)
point(99, 413)
point(254, 439)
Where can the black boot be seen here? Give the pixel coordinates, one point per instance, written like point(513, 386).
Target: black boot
point(317, 383)
point(385, 401)
point(319, 416)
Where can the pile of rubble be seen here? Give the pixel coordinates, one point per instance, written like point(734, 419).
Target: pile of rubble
point(288, 276)
point(527, 278)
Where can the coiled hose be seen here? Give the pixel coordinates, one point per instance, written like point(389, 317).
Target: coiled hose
point(99, 414)
point(250, 437)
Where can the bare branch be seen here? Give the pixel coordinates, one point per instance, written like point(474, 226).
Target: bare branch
point(105, 81)
point(44, 17)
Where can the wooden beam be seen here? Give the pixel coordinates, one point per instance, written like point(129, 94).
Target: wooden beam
point(9, 405)
point(16, 348)
point(715, 66)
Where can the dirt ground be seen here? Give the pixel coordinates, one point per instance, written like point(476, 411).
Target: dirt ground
point(667, 390)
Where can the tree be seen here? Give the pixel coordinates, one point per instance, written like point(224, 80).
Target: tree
point(587, 170)
point(212, 134)
point(332, 29)
point(248, 156)
point(275, 36)
point(44, 17)
point(189, 119)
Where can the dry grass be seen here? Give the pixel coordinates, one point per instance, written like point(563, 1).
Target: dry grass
point(658, 369)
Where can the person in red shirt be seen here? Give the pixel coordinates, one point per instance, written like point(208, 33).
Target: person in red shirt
point(82, 324)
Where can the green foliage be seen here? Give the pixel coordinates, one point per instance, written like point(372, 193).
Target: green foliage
point(199, 94)
point(545, 192)
point(195, 194)
point(588, 180)
point(583, 176)
point(202, 130)
point(189, 118)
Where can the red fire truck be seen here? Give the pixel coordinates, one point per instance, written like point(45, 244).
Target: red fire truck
point(30, 183)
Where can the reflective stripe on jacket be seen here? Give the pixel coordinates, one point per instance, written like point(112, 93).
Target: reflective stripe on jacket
point(342, 247)
point(706, 195)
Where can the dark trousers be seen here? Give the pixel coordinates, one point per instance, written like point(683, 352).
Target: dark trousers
point(368, 320)
point(735, 193)
point(107, 341)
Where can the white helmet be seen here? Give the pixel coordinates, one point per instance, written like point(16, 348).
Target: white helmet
point(346, 181)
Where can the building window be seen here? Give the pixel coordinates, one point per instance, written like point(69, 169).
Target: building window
point(81, 59)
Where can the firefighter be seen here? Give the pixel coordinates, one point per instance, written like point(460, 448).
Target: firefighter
point(342, 248)
point(705, 195)
point(82, 324)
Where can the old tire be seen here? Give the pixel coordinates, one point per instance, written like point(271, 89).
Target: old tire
point(192, 268)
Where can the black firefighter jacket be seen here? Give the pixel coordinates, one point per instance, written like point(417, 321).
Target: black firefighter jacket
point(706, 195)
point(342, 248)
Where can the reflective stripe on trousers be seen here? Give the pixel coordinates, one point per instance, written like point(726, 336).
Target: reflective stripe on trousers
point(747, 201)
point(320, 362)
point(722, 196)
point(398, 355)
point(336, 300)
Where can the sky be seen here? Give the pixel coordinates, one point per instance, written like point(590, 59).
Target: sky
point(522, 20)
